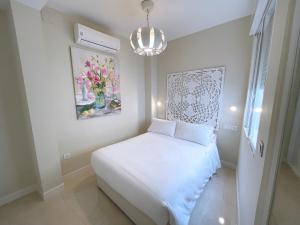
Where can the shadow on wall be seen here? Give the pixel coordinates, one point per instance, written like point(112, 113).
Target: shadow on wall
point(16, 161)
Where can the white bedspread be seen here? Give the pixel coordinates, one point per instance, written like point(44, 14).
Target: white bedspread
point(160, 175)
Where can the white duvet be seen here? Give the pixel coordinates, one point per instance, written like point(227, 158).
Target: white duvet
point(160, 175)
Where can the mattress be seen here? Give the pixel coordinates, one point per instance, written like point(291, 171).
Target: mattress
point(160, 175)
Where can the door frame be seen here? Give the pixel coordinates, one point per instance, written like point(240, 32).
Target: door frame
point(295, 128)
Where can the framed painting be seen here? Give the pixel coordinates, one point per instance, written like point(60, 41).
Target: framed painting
point(96, 81)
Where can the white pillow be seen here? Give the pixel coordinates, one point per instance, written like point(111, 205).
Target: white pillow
point(201, 134)
point(165, 127)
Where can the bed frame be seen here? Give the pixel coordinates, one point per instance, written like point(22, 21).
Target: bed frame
point(136, 215)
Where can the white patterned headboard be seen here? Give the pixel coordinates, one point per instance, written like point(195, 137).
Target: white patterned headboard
point(196, 96)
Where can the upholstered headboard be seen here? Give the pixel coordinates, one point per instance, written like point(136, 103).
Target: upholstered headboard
point(195, 96)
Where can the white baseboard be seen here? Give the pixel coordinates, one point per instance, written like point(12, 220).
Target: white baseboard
point(53, 191)
point(87, 167)
point(229, 164)
point(59, 188)
point(238, 198)
point(18, 194)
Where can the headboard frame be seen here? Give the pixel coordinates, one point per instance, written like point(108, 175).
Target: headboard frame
point(196, 96)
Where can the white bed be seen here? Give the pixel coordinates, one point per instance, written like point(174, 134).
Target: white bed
point(154, 178)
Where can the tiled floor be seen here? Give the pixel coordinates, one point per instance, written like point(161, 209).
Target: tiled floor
point(286, 209)
point(82, 203)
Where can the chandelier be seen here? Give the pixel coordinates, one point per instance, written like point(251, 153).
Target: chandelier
point(148, 40)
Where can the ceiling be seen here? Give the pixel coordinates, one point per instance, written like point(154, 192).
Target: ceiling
point(36, 4)
point(177, 18)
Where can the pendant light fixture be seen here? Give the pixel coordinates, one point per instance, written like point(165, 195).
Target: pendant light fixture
point(148, 40)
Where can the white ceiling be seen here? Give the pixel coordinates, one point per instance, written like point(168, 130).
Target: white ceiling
point(36, 4)
point(176, 17)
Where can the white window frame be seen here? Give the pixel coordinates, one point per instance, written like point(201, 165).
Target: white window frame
point(255, 72)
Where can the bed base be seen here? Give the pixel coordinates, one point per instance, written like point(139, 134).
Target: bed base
point(136, 215)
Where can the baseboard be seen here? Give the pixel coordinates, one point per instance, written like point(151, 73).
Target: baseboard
point(75, 162)
point(237, 197)
point(87, 167)
point(53, 191)
point(18, 194)
point(228, 164)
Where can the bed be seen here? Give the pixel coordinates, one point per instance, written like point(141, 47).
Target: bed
point(157, 177)
point(154, 178)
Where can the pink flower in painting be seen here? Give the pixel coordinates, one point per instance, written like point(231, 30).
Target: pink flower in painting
point(97, 69)
point(87, 64)
point(96, 80)
point(89, 75)
point(104, 72)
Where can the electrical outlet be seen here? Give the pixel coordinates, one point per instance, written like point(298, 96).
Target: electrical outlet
point(67, 155)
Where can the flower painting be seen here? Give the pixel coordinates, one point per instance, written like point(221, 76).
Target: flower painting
point(96, 83)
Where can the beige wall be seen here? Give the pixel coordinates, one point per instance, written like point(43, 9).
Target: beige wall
point(253, 173)
point(34, 71)
point(228, 44)
point(16, 163)
point(43, 43)
point(82, 137)
point(150, 88)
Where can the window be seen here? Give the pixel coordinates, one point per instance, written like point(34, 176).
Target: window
point(258, 75)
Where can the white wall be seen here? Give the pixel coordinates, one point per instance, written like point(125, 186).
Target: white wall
point(228, 44)
point(16, 163)
point(82, 137)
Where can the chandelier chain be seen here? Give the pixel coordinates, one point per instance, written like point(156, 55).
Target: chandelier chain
point(148, 17)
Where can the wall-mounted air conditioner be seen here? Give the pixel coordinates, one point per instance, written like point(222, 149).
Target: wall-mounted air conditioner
point(94, 39)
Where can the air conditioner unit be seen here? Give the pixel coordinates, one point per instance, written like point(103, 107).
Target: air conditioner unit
point(94, 39)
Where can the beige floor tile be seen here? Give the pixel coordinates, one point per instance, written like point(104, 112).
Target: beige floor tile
point(286, 208)
point(82, 203)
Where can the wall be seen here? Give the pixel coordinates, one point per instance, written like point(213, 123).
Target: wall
point(294, 156)
point(294, 145)
point(34, 72)
point(292, 124)
point(16, 162)
point(42, 41)
point(228, 44)
point(253, 173)
point(150, 88)
point(81, 137)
